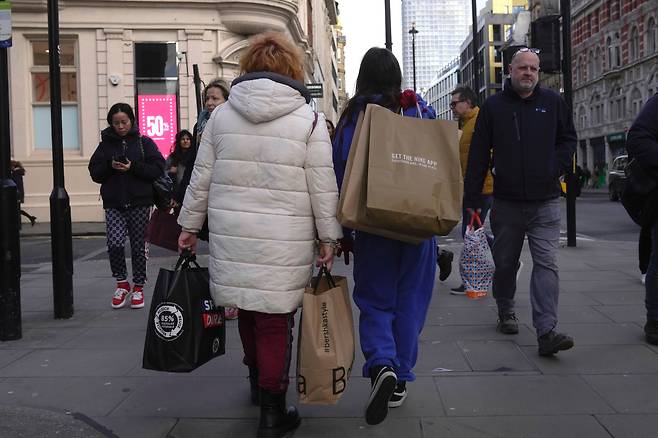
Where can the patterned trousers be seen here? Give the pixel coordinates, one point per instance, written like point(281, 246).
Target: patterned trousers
point(133, 222)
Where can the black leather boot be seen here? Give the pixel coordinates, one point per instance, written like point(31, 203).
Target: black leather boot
point(275, 418)
point(253, 384)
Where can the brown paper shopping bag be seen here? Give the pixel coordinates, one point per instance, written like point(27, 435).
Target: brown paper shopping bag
point(352, 202)
point(326, 340)
point(414, 176)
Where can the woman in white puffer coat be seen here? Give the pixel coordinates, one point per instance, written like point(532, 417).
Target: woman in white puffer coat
point(265, 177)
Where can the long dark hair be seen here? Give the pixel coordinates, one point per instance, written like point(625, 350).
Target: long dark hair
point(379, 80)
point(177, 151)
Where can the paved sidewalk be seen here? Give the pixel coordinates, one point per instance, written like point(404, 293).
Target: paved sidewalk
point(84, 374)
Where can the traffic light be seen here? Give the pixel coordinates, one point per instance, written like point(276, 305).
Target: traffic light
point(545, 36)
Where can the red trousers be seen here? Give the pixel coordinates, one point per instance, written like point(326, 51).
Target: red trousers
point(267, 342)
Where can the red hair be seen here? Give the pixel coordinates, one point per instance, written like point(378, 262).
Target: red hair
point(273, 52)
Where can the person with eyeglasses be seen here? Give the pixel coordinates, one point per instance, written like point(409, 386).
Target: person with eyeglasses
point(464, 106)
point(525, 134)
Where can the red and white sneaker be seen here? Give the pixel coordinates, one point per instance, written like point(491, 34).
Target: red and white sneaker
point(137, 298)
point(120, 297)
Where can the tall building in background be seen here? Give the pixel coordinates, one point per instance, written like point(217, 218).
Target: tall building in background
point(442, 25)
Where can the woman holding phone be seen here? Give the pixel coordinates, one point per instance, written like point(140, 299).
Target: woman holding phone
point(125, 164)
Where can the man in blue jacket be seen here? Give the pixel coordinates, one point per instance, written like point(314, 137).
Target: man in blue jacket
point(642, 145)
point(531, 133)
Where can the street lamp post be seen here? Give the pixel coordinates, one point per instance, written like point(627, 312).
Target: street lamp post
point(474, 47)
point(60, 207)
point(572, 178)
point(413, 31)
point(387, 24)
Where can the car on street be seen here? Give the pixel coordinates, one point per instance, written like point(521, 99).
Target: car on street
point(617, 178)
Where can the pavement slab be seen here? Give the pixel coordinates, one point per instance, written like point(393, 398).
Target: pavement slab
point(91, 396)
point(72, 363)
point(519, 395)
point(496, 356)
point(25, 422)
point(140, 427)
point(549, 426)
point(34, 338)
point(624, 313)
point(630, 426)
point(627, 393)
point(598, 359)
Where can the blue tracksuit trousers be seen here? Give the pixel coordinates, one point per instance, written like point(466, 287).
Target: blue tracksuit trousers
point(393, 283)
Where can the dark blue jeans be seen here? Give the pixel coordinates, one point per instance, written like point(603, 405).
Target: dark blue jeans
point(651, 300)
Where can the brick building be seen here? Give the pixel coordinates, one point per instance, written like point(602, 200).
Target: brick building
point(615, 70)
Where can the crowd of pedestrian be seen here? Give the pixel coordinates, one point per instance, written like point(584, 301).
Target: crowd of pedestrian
point(259, 177)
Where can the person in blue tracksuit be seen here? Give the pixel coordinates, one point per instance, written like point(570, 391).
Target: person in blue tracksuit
point(393, 280)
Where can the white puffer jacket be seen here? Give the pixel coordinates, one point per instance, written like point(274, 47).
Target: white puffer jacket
point(266, 179)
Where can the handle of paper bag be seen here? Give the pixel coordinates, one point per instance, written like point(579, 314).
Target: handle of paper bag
point(324, 271)
point(186, 257)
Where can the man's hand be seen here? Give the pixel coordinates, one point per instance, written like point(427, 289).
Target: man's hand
point(326, 256)
point(471, 212)
point(187, 240)
point(346, 246)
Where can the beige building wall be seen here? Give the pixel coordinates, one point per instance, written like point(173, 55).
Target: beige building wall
point(210, 33)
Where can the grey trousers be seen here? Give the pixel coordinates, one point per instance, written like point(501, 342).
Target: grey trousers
point(510, 222)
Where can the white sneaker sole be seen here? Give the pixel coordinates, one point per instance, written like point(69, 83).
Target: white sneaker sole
point(398, 403)
point(136, 306)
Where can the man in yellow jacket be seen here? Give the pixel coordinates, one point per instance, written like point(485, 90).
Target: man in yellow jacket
point(464, 107)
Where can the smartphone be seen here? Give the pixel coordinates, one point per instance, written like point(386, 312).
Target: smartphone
point(121, 159)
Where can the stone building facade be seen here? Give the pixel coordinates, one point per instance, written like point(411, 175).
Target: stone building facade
point(494, 23)
point(615, 70)
point(438, 94)
point(140, 52)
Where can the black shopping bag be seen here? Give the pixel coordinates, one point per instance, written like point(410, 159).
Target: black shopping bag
point(185, 329)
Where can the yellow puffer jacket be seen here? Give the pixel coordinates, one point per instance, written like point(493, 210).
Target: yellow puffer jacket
point(465, 145)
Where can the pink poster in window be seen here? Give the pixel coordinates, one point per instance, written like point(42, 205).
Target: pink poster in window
point(157, 119)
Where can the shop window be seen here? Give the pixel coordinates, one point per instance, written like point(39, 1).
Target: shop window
point(40, 78)
point(156, 76)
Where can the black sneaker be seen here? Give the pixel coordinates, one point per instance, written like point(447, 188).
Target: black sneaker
point(383, 380)
point(651, 331)
point(461, 290)
point(444, 260)
point(507, 323)
point(399, 395)
point(552, 342)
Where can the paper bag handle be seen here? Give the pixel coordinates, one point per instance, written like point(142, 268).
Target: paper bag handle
point(324, 271)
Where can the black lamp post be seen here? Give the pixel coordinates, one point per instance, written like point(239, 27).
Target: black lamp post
point(572, 178)
point(60, 207)
point(413, 31)
point(475, 48)
point(387, 24)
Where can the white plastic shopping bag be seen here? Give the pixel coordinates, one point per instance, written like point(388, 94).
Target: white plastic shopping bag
point(476, 264)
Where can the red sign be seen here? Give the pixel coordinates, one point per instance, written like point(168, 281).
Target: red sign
point(157, 119)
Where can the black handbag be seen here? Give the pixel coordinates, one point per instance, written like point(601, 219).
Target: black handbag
point(163, 186)
point(640, 195)
point(185, 329)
